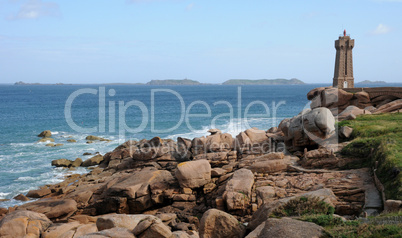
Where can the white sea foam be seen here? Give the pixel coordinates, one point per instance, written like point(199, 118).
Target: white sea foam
point(27, 178)
point(233, 127)
point(21, 144)
point(3, 195)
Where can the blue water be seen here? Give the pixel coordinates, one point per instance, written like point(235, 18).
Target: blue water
point(27, 110)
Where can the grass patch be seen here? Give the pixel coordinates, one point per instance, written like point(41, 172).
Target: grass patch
point(336, 227)
point(303, 206)
point(378, 139)
point(323, 220)
point(351, 230)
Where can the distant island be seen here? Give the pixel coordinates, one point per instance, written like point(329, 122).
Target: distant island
point(292, 81)
point(165, 82)
point(23, 83)
point(371, 82)
point(123, 84)
point(174, 82)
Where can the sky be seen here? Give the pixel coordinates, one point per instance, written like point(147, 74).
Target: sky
point(132, 41)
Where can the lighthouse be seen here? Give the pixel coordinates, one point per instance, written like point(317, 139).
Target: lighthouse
point(343, 74)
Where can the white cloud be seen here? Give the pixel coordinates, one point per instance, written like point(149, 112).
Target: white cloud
point(190, 7)
point(381, 29)
point(33, 9)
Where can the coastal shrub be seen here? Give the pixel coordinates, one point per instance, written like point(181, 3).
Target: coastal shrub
point(353, 229)
point(377, 140)
point(303, 206)
point(323, 220)
point(335, 227)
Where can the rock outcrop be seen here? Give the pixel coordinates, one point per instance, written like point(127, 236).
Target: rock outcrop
point(193, 174)
point(338, 100)
point(46, 133)
point(23, 224)
point(70, 230)
point(287, 228)
point(55, 209)
point(152, 227)
point(219, 224)
point(237, 193)
point(308, 128)
point(67, 163)
point(351, 112)
point(96, 138)
point(389, 107)
point(97, 159)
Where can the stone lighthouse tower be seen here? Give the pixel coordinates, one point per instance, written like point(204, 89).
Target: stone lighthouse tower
point(343, 75)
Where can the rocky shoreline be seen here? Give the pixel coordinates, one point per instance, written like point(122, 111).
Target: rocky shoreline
point(214, 186)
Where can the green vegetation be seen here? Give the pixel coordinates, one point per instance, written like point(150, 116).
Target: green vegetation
point(323, 220)
point(336, 227)
point(303, 206)
point(263, 82)
point(378, 139)
point(174, 82)
point(351, 230)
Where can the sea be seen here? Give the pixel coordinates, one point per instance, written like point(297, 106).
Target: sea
point(120, 113)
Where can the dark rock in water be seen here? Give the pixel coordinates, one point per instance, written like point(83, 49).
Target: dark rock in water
point(97, 159)
point(46, 133)
point(67, 163)
point(92, 138)
point(53, 144)
point(219, 224)
point(71, 140)
point(24, 224)
point(21, 197)
point(77, 162)
point(87, 153)
point(45, 139)
point(61, 163)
